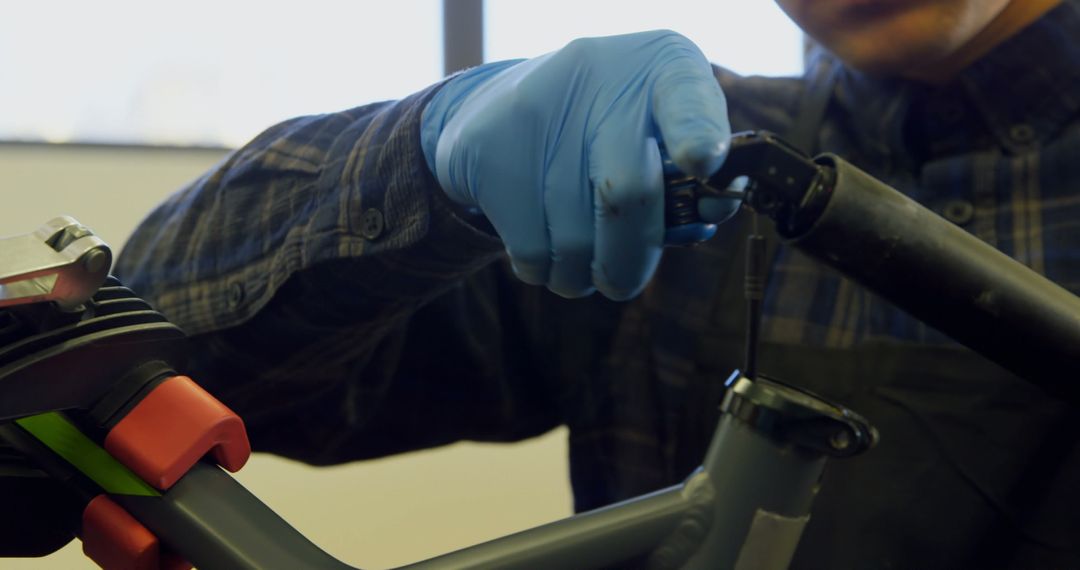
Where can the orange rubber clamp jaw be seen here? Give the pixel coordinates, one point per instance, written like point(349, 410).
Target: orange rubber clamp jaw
point(116, 541)
point(174, 426)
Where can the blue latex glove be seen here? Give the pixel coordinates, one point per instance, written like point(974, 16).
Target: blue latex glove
point(560, 153)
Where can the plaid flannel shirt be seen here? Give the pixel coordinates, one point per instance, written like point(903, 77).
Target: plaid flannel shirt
point(338, 302)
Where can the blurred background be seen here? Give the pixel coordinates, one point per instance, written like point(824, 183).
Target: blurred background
point(109, 106)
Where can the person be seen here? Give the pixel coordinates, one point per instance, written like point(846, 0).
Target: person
point(363, 283)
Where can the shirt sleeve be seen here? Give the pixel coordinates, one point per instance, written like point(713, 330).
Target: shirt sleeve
point(306, 191)
point(335, 298)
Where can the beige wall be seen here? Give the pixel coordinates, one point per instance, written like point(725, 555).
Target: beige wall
point(375, 514)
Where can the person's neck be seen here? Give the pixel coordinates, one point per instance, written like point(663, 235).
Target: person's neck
point(1016, 16)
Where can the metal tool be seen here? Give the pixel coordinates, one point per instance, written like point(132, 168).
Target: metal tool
point(907, 254)
point(62, 262)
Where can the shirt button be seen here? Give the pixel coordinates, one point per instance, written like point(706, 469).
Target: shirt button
point(372, 224)
point(959, 212)
point(236, 294)
point(1021, 133)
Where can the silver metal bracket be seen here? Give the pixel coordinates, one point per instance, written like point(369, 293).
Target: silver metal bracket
point(796, 416)
point(62, 261)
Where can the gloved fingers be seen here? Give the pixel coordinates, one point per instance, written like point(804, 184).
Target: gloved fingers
point(500, 133)
point(522, 225)
point(689, 234)
point(628, 191)
point(715, 210)
point(569, 204)
point(513, 202)
point(683, 234)
point(690, 110)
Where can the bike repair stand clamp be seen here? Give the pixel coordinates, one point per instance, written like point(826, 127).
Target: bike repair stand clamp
point(87, 373)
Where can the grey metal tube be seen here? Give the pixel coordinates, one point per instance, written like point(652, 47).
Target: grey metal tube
point(948, 278)
point(218, 524)
point(764, 491)
point(594, 539)
point(744, 509)
point(710, 519)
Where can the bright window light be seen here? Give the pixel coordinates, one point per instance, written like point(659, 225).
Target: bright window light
point(203, 71)
point(751, 37)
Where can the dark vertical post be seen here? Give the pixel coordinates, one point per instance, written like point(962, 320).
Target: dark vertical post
point(463, 34)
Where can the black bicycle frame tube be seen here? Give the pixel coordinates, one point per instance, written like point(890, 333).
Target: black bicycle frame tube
point(947, 278)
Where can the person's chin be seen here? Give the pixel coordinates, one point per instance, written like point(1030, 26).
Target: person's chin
point(898, 51)
point(877, 64)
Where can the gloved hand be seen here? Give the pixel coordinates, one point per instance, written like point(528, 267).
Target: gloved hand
point(560, 153)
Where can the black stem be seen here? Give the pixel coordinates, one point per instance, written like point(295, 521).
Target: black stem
point(754, 289)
